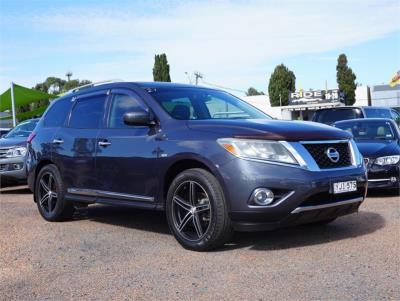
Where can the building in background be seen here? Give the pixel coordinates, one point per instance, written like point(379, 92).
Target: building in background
point(303, 104)
point(386, 96)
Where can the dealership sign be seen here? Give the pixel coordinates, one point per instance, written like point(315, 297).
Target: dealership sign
point(316, 96)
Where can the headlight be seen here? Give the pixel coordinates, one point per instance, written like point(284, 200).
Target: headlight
point(16, 152)
point(388, 160)
point(258, 149)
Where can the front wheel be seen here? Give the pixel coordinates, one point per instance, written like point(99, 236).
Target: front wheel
point(196, 211)
point(49, 195)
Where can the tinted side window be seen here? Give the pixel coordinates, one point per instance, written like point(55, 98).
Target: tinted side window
point(88, 112)
point(377, 113)
point(57, 113)
point(121, 104)
point(395, 115)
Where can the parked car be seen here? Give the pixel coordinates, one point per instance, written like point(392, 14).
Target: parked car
point(331, 115)
point(210, 160)
point(13, 153)
point(4, 131)
point(379, 142)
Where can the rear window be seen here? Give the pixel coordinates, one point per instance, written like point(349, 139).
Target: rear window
point(333, 115)
point(57, 113)
point(377, 113)
point(88, 112)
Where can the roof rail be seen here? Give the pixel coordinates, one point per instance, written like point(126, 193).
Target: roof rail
point(93, 85)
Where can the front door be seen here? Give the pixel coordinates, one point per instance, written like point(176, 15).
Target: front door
point(126, 158)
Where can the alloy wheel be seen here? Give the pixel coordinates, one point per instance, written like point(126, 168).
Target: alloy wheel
point(47, 193)
point(191, 210)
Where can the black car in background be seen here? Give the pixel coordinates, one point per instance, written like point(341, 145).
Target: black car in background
point(379, 142)
point(211, 161)
point(331, 115)
point(13, 153)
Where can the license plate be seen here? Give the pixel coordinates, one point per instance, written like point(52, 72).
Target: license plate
point(342, 187)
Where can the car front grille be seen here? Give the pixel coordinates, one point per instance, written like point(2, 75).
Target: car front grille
point(3, 152)
point(319, 153)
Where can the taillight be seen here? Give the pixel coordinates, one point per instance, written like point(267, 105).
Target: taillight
point(31, 136)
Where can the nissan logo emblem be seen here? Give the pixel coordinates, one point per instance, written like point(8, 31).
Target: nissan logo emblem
point(333, 154)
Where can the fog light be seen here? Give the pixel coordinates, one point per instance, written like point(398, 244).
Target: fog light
point(393, 179)
point(17, 166)
point(263, 196)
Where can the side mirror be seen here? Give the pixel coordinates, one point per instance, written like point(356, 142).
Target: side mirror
point(140, 117)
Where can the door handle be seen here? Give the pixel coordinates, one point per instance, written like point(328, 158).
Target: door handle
point(58, 141)
point(104, 143)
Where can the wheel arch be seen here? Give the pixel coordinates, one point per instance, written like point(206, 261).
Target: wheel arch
point(184, 164)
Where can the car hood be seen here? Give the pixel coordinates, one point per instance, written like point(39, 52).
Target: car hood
point(377, 148)
point(11, 142)
point(270, 129)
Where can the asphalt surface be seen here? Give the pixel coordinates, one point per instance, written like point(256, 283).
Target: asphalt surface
point(109, 253)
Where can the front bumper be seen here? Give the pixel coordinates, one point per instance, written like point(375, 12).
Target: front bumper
point(13, 169)
point(307, 195)
point(384, 177)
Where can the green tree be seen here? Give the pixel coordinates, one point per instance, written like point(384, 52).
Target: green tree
point(55, 85)
point(161, 68)
point(252, 92)
point(281, 83)
point(346, 80)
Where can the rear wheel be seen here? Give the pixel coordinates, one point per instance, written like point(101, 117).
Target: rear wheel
point(49, 195)
point(196, 211)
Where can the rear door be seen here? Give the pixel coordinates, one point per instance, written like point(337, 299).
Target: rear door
point(75, 145)
point(126, 159)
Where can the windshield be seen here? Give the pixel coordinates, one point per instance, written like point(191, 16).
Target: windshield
point(332, 115)
point(22, 130)
point(369, 130)
point(200, 104)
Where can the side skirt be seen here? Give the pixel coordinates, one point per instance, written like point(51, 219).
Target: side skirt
point(90, 196)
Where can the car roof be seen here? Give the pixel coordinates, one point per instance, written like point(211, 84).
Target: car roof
point(122, 84)
point(154, 85)
point(364, 120)
point(353, 107)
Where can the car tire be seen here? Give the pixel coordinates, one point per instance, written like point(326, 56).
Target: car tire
point(197, 212)
point(49, 195)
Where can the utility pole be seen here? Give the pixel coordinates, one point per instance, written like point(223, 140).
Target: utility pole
point(68, 75)
point(280, 99)
point(197, 75)
point(14, 119)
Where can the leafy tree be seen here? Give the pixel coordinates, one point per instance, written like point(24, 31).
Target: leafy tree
point(252, 92)
point(55, 85)
point(161, 68)
point(281, 83)
point(346, 80)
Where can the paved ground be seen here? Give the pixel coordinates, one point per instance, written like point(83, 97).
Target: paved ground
point(113, 253)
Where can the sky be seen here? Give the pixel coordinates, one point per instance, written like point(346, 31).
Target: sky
point(234, 44)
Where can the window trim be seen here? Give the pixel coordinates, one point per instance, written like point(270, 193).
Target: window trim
point(128, 92)
point(51, 106)
point(82, 97)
